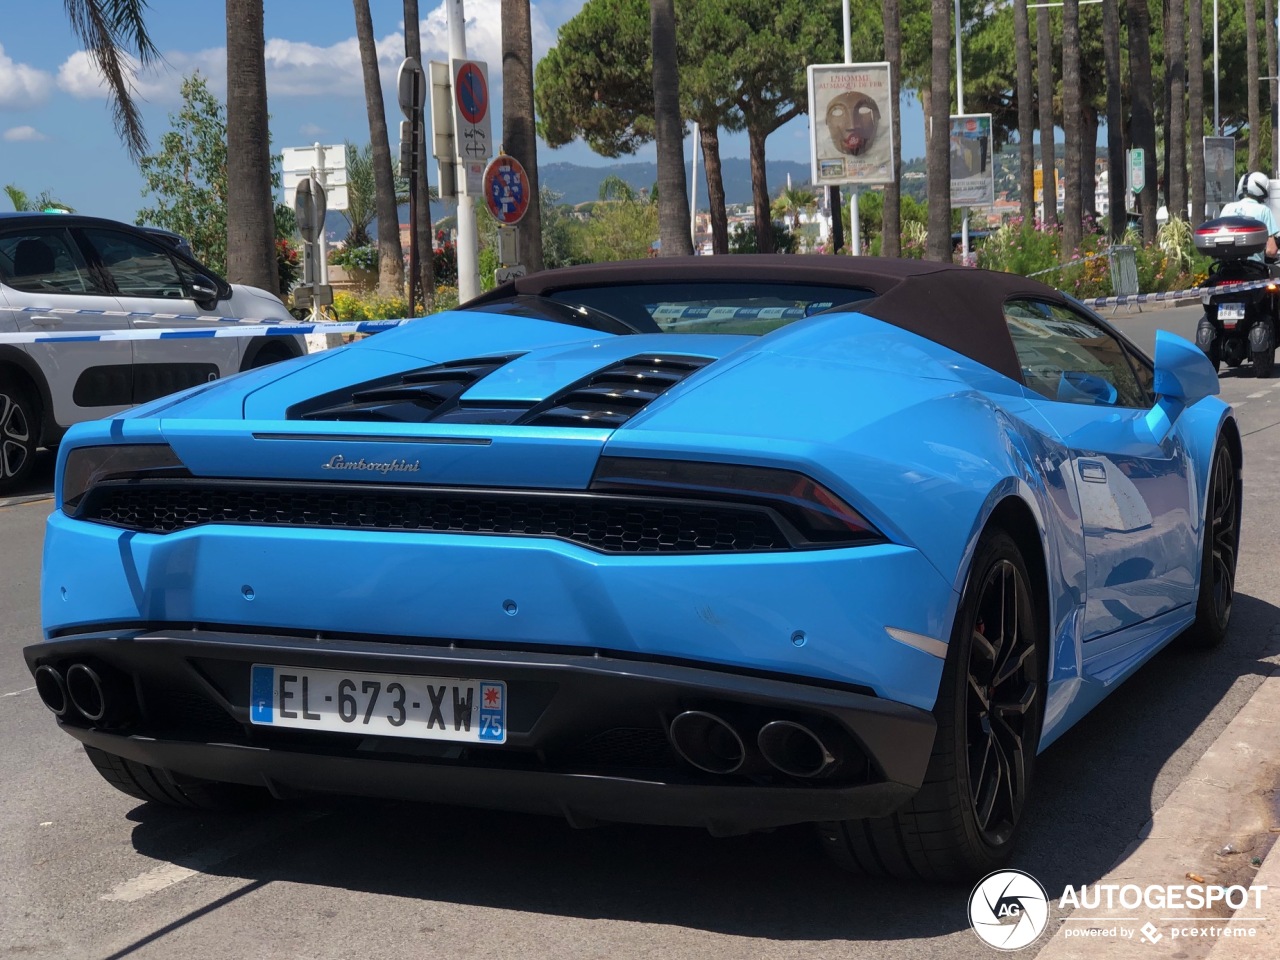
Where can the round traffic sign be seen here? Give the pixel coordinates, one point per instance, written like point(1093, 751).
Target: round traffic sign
point(506, 189)
point(472, 92)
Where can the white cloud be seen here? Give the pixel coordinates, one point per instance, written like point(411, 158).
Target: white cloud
point(21, 85)
point(15, 134)
point(311, 130)
point(296, 68)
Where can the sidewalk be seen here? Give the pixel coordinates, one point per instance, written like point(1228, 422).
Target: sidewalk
point(1228, 799)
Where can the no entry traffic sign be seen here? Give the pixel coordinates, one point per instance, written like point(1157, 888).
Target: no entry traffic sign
point(506, 189)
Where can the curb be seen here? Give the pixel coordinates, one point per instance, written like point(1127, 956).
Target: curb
point(1213, 806)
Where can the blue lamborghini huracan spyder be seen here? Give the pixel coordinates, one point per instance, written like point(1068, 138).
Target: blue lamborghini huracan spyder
point(734, 542)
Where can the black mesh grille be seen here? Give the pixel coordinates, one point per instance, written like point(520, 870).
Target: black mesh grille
point(606, 522)
point(606, 398)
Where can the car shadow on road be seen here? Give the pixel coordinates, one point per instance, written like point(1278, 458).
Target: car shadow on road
point(1095, 789)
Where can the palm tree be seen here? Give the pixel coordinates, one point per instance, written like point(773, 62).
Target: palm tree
point(518, 132)
point(1195, 96)
point(792, 202)
point(111, 31)
point(426, 258)
point(1143, 135)
point(1044, 69)
point(891, 228)
point(1026, 111)
point(1251, 71)
point(673, 188)
point(1273, 94)
point(1175, 54)
point(1073, 209)
point(390, 253)
point(613, 187)
point(251, 224)
point(938, 145)
point(1117, 199)
point(23, 202)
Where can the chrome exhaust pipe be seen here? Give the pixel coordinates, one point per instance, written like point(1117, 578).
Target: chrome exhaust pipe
point(85, 688)
point(707, 742)
point(795, 749)
point(51, 689)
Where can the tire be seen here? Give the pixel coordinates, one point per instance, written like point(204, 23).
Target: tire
point(19, 433)
point(1214, 351)
point(1264, 362)
point(158, 786)
point(1219, 554)
point(941, 834)
point(269, 355)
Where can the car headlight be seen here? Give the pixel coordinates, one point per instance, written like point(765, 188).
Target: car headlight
point(88, 466)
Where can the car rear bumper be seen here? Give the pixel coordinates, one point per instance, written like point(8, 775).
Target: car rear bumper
point(587, 734)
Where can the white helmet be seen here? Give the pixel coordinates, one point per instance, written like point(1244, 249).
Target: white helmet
point(1241, 186)
point(1257, 185)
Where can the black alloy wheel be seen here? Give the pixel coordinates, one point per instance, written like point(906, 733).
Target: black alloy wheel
point(963, 822)
point(1003, 691)
point(1220, 552)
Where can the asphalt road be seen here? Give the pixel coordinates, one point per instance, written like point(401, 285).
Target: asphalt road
point(87, 872)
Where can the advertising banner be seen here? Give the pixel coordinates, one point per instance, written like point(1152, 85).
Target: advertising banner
point(1219, 169)
point(973, 181)
point(851, 123)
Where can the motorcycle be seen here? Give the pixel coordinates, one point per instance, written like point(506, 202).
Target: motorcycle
point(1238, 325)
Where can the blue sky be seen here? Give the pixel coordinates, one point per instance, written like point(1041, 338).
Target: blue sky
point(56, 132)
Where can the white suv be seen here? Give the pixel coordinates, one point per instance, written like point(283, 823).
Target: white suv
point(51, 262)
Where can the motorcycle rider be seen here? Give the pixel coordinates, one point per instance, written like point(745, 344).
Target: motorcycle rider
point(1250, 193)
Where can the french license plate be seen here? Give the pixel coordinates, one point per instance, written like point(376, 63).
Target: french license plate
point(380, 704)
point(1230, 314)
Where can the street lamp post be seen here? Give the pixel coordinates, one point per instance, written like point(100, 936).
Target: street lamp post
point(964, 211)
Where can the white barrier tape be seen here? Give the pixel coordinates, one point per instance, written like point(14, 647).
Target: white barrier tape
point(241, 330)
point(143, 315)
point(1198, 292)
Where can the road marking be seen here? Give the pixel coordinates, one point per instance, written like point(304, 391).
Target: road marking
point(201, 861)
point(16, 692)
point(1240, 404)
point(31, 498)
point(1260, 393)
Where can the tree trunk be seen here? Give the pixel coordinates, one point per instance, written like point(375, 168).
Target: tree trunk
point(1252, 72)
point(673, 188)
point(390, 253)
point(1044, 70)
point(891, 223)
point(709, 134)
point(1195, 116)
point(1026, 112)
point(1175, 52)
point(938, 144)
point(760, 190)
point(1117, 195)
point(1073, 208)
point(251, 224)
point(519, 138)
point(1143, 120)
point(1089, 122)
point(426, 258)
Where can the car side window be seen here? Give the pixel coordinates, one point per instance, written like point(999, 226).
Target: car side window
point(1066, 356)
point(45, 260)
point(138, 267)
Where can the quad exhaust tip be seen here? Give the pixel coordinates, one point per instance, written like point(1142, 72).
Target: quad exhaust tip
point(51, 689)
point(85, 688)
point(795, 749)
point(707, 741)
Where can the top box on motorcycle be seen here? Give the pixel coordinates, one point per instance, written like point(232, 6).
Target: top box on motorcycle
point(1231, 238)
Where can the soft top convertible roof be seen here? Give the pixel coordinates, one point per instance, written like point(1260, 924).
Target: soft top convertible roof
point(958, 307)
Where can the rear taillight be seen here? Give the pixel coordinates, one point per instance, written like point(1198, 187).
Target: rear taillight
point(88, 466)
point(817, 515)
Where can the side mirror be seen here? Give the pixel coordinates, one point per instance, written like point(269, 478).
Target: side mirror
point(1184, 376)
point(1183, 372)
point(205, 293)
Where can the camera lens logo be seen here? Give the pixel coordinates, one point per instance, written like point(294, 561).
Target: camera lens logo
point(1008, 909)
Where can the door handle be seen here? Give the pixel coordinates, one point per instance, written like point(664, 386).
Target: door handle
point(1093, 471)
point(42, 320)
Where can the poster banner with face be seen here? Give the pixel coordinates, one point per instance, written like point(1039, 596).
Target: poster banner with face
point(973, 182)
point(1219, 169)
point(851, 123)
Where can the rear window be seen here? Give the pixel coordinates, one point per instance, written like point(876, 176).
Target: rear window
point(739, 308)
